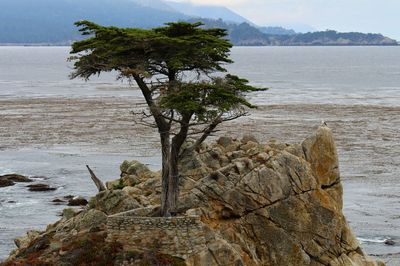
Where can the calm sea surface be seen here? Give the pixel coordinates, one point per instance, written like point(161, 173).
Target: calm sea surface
point(339, 75)
point(348, 77)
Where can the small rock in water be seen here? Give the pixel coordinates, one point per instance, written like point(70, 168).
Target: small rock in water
point(69, 197)
point(11, 201)
point(6, 183)
point(40, 187)
point(57, 200)
point(11, 179)
point(389, 242)
point(16, 178)
point(77, 201)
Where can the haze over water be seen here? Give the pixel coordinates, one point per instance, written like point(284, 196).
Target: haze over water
point(355, 89)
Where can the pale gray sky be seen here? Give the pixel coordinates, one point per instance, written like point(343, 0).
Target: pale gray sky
point(380, 16)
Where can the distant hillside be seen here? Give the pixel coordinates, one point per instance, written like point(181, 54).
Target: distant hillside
point(330, 37)
point(298, 27)
point(245, 34)
point(51, 21)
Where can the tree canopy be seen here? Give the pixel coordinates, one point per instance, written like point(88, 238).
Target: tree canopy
point(169, 50)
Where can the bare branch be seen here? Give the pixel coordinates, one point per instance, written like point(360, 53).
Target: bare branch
point(99, 184)
point(144, 119)
point(197, 132)
point(211, 128)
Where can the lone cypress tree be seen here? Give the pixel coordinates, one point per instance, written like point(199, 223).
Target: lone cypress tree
point(161, 61)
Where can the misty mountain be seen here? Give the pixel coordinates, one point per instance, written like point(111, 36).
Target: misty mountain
point(51, 21)
point(298, 27)
point(212, 12)
point(277, 31)
point(155, 4)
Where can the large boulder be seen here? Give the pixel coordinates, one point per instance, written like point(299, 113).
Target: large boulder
point(23, 241)
point(320, 151)
point(133, 168)
point(279, 206)
point(79, 222)
point(113, 201)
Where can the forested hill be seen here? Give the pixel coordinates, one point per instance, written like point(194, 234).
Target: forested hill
point(51, 22)
point(330, 37)
point(245, 34)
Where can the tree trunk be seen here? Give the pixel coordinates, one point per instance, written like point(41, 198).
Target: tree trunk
point(164, 130)
point(165, 151)
point(173, 180)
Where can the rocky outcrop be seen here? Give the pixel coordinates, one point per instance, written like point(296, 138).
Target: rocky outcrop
point(77, 201)
point(40, 188)
point(254, 204)
point(11, 179)
point(272, 204)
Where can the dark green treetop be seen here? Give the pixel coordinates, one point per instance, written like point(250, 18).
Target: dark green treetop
point(168, 50)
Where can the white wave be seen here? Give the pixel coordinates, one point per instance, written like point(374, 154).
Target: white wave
point(21, 206)
point(27, 202)
point(372, 240)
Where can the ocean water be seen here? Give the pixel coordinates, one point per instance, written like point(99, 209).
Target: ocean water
point(356, 89)
point(332, 75)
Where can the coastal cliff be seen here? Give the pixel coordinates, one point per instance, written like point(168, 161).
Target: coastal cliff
point(242, 203)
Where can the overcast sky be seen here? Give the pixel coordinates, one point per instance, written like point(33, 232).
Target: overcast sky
point(381, 16)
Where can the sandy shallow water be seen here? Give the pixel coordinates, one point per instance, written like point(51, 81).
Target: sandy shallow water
point(56, 137)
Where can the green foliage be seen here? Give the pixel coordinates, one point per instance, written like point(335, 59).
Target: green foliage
point(207, 99)
point(168, 50)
